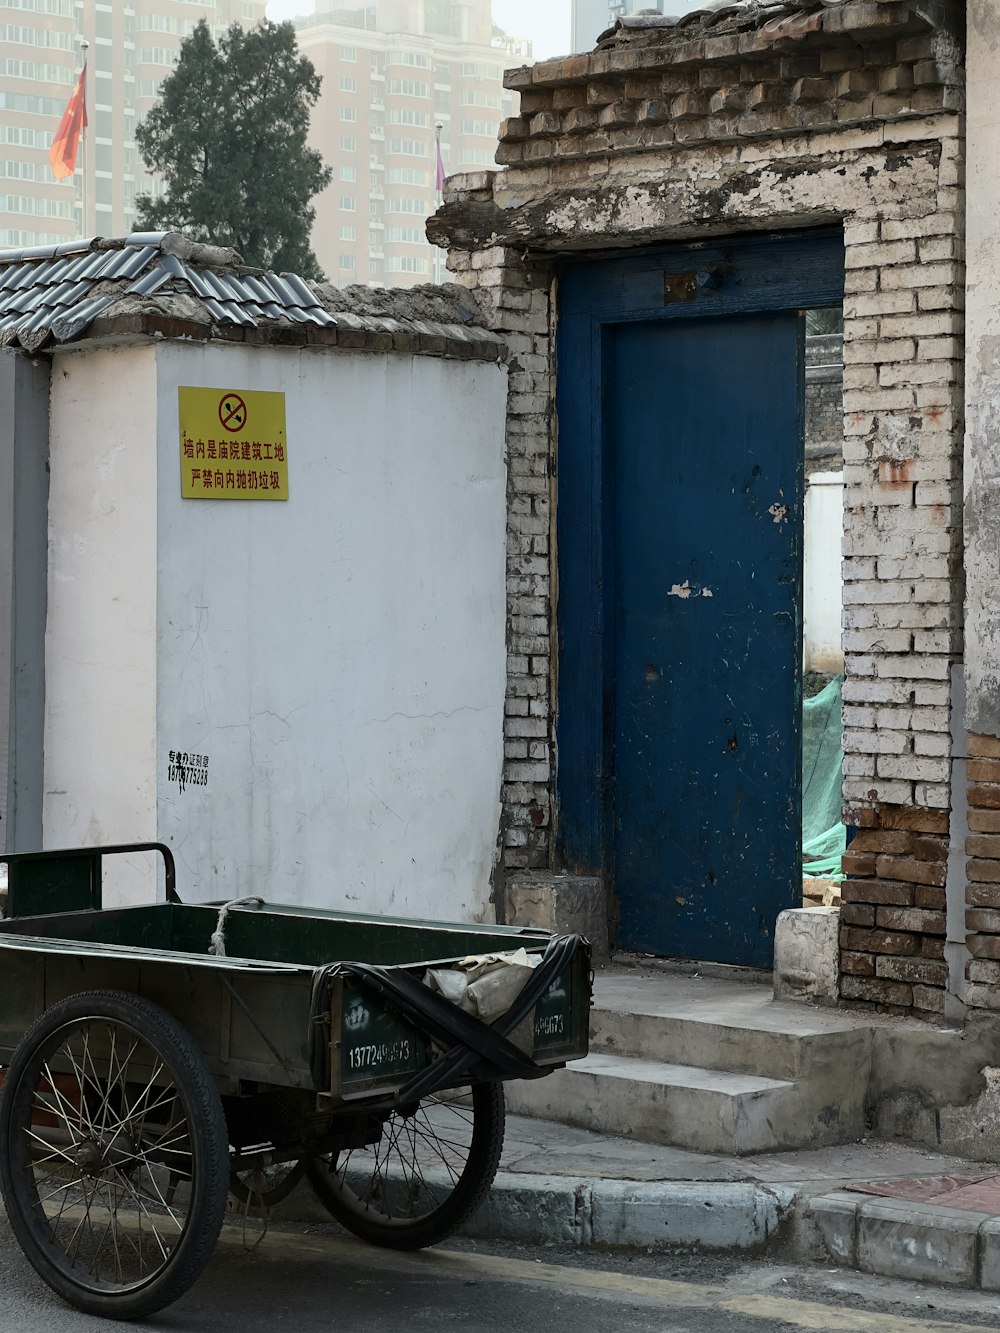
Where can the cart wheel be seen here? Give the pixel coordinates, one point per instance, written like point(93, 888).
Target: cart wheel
point(431, 1168)
point(113, 1154)
point(264, 1186)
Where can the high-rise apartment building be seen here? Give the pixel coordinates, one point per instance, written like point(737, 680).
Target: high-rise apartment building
point(132, 47)
point(393, 71)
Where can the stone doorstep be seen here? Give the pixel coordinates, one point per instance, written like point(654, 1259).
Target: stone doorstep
point(719, 1024)
point(703, 1110)
point(823, 1071)
point(709, 1066)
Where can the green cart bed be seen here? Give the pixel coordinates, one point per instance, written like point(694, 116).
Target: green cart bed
point(162, 1058)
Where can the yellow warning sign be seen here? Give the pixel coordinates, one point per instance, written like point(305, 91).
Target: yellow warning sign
point(233, 444)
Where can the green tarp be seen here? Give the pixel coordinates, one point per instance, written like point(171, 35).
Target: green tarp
point(824, 837)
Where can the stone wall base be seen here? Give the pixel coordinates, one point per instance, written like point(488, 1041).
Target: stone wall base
point(806, 964)
point(562, 903)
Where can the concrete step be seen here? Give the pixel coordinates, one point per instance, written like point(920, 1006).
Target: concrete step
point(715, 1024)
point(703, 1110)
point(710, 1065)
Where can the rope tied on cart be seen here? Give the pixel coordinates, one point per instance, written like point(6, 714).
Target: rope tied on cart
point(471, 1048)
point(218, 944)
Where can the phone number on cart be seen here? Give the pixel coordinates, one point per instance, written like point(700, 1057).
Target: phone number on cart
point(388, 1053)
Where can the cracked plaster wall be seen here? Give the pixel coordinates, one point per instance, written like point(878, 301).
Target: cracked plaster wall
point(982, 449)
point(339, 658)
point(100, 641)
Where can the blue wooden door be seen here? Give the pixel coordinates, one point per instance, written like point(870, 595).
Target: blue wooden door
point(705, 437)
point(679, 389)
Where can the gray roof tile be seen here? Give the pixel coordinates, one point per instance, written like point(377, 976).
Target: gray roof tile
point(70, 323)
point(217, 311)
point(198, 284)
point(116, 262)
point(57, 291)
point(150, 282)
point(305, 296)
point(136, 260)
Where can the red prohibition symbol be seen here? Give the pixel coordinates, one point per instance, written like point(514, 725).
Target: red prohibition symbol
point(233, 412)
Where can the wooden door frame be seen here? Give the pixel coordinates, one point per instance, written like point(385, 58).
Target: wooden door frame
point(749, 274)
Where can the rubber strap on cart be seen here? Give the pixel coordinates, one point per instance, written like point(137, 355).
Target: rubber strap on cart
point(472, 1048)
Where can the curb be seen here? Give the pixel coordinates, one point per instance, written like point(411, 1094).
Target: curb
point(629, 1214)
point(887, 1237)
point(892, 1238)
point(610, 1213)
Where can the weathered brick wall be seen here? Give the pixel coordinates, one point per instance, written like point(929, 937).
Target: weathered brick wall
point(893, 921)
point(853, 114)
point(982, 510)
point(982, 846)
point(517, 300)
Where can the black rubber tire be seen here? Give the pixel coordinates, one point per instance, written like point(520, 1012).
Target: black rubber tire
point(462, 1199)
point(207, 1145)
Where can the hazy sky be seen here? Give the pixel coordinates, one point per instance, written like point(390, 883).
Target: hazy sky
point(545, 22)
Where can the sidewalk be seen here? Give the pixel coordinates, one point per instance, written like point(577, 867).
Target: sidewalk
point(872, 1206)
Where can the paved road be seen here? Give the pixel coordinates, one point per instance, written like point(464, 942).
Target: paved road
point(321, 1280)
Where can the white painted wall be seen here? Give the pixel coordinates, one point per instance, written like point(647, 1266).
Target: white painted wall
point(100, 643)
point(982, 370)
point(340, 657)
point(823, 590)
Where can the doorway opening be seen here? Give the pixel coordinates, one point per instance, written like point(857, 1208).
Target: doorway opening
point(681, 399)
point(823, 832)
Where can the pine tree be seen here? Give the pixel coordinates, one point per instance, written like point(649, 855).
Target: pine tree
point(228, 136)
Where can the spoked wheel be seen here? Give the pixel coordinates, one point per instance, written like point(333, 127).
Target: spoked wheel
point(113, 1154)
point(430, 1170)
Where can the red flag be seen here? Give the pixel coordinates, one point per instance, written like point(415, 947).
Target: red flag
point(66, 144)
point(439, 181)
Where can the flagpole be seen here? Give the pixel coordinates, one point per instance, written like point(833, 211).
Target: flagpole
point(84, 47)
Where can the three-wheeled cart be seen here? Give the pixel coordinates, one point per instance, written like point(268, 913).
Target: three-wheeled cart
point(158, 1058)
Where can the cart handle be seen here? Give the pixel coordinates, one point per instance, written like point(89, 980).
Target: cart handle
point(78, 887)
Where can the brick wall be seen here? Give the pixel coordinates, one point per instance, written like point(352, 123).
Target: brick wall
point(893, 922)
point(982, 512)
point(982, 897)
point(728, 126)
point(517, 300)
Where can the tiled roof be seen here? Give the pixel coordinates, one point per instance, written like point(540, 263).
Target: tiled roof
point(56, 293)
point(716, 14)
point(783, 18)
point(726, 29)
point(705, 14)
